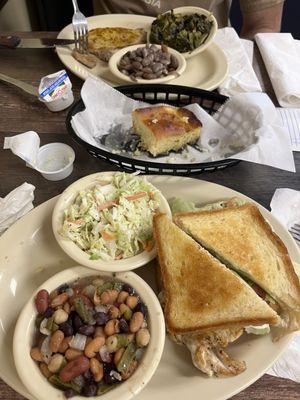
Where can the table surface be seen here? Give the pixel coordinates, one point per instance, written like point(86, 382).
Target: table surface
point(20, 112)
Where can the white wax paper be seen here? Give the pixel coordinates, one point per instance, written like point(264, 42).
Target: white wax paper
point(246, 128)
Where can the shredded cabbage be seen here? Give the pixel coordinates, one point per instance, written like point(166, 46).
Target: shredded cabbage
point(113, 219)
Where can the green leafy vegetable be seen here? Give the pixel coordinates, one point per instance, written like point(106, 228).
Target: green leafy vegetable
point(181, 32)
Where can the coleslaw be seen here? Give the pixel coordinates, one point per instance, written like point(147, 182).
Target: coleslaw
point(112, 219)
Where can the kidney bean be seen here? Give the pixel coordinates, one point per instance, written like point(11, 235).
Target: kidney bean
point(60, 316)
point(71, 354)
point(131, 302)
point(77, 323)
point(127, 288)
point(74, 368)
point(87, 330)
point(90, 390)
point(94, 346)
point(48, 313)
point(118, 355)
point(136, 322)
point(56, 362)
point(122, 296)
point(123, 325)
point(142, 337)
point(99, 331)
point(111, 327)
point(63, 288)
point(70, 393)
point(59, 300)
point(64, 344)
point(66, 328)
point(142, 308)
point(45, 371)
point(97, 369)
point(56, 340)
point(101, 318)
point(42, 301)
point(36, 354)
point(88, 376)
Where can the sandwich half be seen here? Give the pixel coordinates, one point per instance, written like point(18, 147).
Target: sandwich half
point(240, 237)
point(206, 305)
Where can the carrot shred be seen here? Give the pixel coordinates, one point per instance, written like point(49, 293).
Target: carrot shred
point(108, 236)
point(136, 196)
point(108, 204)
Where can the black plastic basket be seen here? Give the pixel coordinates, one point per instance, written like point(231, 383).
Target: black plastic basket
point(170, 94)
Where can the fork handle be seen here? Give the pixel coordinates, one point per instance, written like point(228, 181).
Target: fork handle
point(75, 5)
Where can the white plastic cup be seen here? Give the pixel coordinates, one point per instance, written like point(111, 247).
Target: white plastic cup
point(55, 161)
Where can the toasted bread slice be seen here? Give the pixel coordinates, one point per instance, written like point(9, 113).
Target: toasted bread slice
point(242, 239)
point(165, 128)
point(201, 294)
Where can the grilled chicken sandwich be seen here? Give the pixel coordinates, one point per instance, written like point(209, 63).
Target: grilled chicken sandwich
point(206, 305)
point(240, 237)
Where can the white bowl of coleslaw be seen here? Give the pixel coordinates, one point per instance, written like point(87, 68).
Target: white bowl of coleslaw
point(104, 220)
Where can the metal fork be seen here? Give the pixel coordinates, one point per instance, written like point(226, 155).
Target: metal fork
point(295, 232)
point(80, 28)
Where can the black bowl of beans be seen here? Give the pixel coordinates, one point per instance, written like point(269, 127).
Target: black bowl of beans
point(85, 335)
point(147, 63)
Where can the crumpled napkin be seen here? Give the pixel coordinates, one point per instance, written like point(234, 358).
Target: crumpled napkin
point(241, 76)
point(16, 204)
point(285, 205)
point(281, 56)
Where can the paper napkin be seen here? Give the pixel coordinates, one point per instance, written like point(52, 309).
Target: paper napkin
point(290, 119)
point(16, 204)
point(241, 76)
point(285, 205)
point(281, 56)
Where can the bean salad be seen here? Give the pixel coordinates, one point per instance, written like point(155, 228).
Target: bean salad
point(90, 335)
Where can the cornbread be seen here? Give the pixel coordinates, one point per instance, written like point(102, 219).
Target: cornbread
point(165, 128)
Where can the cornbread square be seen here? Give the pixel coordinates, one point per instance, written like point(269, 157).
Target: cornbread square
point(165, 128)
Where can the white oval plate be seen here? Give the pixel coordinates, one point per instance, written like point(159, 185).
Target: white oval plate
point(207, 70)
point(74, 251)
point(29, 254)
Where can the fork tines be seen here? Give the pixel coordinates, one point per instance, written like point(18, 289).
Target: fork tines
point(81, 39)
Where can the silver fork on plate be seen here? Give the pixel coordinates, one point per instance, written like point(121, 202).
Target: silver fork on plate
point(295, 232)
point(80, 28)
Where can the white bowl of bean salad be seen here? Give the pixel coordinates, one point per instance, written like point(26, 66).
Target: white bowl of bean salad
point(150, 63)
point(88, 334)
point(104, 221)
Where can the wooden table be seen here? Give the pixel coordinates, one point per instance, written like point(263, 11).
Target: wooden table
point(19, 113)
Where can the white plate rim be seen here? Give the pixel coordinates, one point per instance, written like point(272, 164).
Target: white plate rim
point(83, 72)
point(278, 228)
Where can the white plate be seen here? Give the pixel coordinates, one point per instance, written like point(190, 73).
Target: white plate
point(74, 251)
point(207, 70)
point(29, 255)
